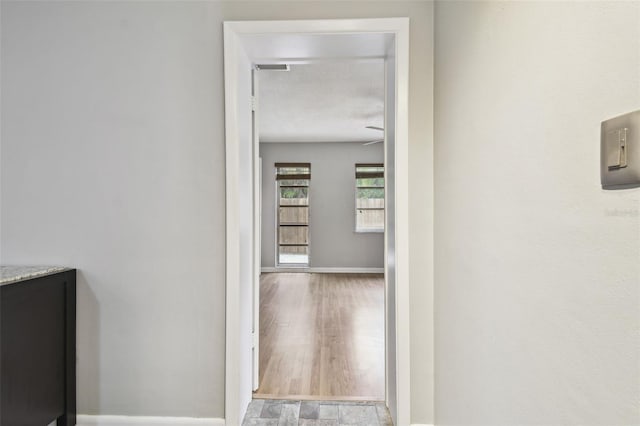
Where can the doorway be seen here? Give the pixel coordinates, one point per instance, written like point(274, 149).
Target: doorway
point(292, 214)
point(261, 41)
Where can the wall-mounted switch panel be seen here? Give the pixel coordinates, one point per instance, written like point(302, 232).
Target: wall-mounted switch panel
point(620, 152)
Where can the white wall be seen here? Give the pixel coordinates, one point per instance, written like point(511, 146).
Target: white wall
point(333, 242)
point(113, 162)
point(537, 268)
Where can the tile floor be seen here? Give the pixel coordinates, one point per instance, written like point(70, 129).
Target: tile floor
point(316, 413)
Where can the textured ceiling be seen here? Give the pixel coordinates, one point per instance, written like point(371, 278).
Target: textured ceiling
point(322, 102)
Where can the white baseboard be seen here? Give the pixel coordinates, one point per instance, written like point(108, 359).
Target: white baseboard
point(267, 269)
point(87, 420)
point(337, 270)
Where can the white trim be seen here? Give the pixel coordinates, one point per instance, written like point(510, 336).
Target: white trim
point(232, 45)
point(331, 270)
point(319, 26)
point(347, 270)
point(232, 249)
point(403, 298)
point(257, 225)
point(368, 231)
point(92, 420)
point(88, 420)
point(269, 269)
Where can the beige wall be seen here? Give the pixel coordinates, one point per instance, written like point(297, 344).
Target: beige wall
point(537, 268)
point(113, 162)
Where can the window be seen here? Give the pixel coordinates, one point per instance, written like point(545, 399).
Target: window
point(292, 180)
point(369, 197)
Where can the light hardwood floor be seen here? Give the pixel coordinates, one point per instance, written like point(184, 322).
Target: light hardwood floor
point(322, 336)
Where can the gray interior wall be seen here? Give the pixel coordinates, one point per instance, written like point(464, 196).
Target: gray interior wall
point(113, 162)
point(537, 268)
point(333, 241)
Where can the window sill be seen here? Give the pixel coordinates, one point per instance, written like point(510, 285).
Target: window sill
point(369, 231)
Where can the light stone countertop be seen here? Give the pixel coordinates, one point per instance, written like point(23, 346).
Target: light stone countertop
point(13, 273)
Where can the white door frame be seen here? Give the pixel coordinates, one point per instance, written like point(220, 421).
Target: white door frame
point(235, 398)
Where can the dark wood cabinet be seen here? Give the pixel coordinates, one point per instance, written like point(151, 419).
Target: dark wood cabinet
point(38, 350)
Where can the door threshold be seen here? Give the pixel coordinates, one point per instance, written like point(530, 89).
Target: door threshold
point(319, 397)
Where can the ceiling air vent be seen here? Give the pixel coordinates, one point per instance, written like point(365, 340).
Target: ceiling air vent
point(272, 67)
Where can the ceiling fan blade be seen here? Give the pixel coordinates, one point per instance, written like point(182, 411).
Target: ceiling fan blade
point(375, 128)
point(372, 142)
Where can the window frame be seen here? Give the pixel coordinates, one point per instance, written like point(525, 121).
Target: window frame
point(373, 175)
point(280, 177)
